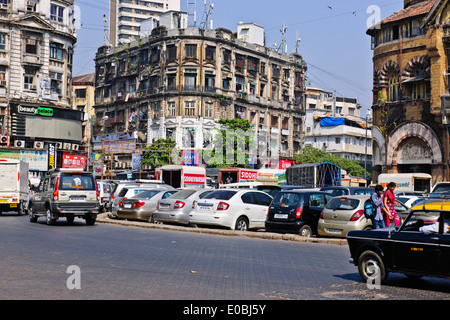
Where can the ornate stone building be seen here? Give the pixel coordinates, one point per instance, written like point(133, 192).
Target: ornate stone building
point(410, 79)
point(176, 83)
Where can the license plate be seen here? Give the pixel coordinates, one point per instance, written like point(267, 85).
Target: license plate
point(333, 231)
point(280, 216)
point(204, 208)
point(127, 205)
point(77, 198)
point(13, 205)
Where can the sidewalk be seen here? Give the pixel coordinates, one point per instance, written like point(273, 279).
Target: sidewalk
point(103, 218)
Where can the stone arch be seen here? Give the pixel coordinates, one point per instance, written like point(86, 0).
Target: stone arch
point(417, 130)
point(385, 71)
point(423, 61)
point(376, 78)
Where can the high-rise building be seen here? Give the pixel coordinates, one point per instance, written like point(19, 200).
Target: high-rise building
point(37, 41)
point(125, 17)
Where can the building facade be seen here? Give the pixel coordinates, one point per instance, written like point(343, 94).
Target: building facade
point(410, 64)
point(333, 124)
point(83, 100)
point(177, 83)
point(125, 17)
point(36, 54)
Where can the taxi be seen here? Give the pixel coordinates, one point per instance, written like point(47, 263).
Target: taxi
point(420, 246)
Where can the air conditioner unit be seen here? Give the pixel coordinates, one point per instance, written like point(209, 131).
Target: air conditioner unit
point(19, 143)
point(117, 165)
point(38, 145)
point(66, 146)
point(32, 87)
point(75, 147)
point(2, 83)
point(59, 146)
point(4, 140)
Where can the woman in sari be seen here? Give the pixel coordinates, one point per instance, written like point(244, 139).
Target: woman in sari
point(389, 203)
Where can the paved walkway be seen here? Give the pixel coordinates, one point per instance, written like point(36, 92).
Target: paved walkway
point(103, 218)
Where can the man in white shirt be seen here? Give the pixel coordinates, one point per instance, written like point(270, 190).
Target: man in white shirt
point(434, 228)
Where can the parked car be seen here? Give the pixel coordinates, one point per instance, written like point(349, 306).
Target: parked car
point(343, 190)
point(296, 211)
point(408, 201)
point(104, 188)
point(142, 205)
point(346, 213)
point(117, 191)
point(238, 209)
point(440, 188)
point(65, 193)
point(177, 207)
point(273, 190)
point(241, 185)
point(405, 249)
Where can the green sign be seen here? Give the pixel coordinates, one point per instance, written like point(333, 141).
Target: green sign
point(44, 111)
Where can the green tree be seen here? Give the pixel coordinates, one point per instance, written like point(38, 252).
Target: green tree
point(231, 145)
point(159, 153)
point(313, 155)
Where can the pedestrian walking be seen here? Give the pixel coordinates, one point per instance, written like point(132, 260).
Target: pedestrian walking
point(377, 199)
point(389, 204)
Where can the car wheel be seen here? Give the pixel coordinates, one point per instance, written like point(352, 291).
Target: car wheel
point(31, 214)
point(371, 266)
point(49, 217)
point(305, 231)
point(241, 224)
point(90, 221)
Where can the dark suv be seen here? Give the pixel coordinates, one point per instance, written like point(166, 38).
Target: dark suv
point(296, 211)
point(66, 193)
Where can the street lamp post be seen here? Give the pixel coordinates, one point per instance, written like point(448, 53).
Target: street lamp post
point(368, 116)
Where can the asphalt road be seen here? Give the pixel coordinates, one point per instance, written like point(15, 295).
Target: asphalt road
point(111, 262)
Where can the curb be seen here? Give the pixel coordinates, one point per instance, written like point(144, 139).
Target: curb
point(103, 218)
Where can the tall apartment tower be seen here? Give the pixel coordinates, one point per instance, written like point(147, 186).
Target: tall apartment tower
point(125, 17)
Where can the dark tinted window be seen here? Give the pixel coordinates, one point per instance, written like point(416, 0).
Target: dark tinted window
point(168, 194)
point(270, 191)
point(335, 192)
point(263, 199)
point(316, 200)
point(221, 195)
point(76, 182)
point(204, 194)
point(249, 198)
point(287, 198)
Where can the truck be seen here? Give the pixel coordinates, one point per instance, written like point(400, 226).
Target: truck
point(14, 187)
point(314, 175)
point(179, 176)
point(236, 175)
point(407, 182)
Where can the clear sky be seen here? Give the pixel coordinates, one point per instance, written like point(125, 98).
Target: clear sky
point(333, 36)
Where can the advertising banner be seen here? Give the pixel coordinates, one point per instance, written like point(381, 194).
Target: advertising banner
point(73, 160)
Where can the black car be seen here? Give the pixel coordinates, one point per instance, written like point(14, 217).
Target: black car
point(343, 190)
point(407, 249)
point(296, 211)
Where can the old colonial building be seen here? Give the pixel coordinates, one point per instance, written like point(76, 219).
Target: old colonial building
point(176, 83)
point(36, 51)
point(410, 65)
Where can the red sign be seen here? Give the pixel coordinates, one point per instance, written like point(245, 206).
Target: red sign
point(284, 164)
point(248, 175)
point(192, 178)
point(73, 160)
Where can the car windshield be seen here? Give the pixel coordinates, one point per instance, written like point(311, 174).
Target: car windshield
point(342, 204)
point(183, 194)
point(76, 182)
point(221, 195)
point(146, 194)
point(442, 188)
point(270, 191)
point(287, 199)
point(335, 192)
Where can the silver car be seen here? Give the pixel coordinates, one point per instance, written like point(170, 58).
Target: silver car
point(177, 207)
point(142, 205)
point(119, 192)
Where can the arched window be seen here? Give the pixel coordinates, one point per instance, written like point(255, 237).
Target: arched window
point(394, 85)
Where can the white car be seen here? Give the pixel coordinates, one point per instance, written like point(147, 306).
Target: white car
point(237, 209)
